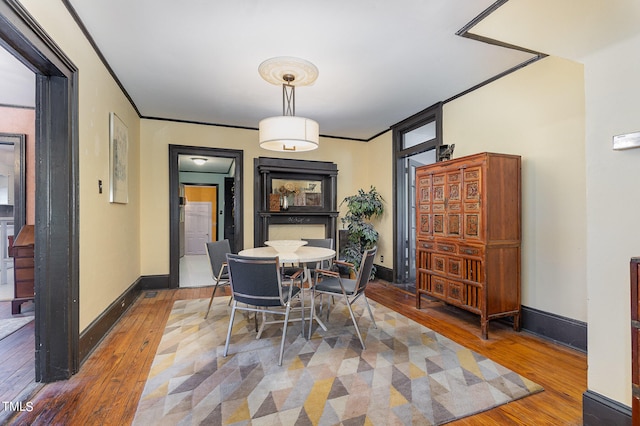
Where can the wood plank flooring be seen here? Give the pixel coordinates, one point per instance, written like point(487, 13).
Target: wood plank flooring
point(107, 388)
point(17, 366)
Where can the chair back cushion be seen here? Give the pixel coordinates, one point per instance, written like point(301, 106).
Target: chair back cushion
point(217, 251)
point(364, 272)
point(255, 280)
point(319, 242)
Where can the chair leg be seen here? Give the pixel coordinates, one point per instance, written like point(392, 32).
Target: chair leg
point(370, 313)
point(264, 321)
point(284, 332)
point(355, 324)
point(301, 297)
point(211, 300)
point(313, 308)
point(233, 314)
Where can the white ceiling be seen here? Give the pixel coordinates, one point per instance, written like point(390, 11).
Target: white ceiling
point(17, 82)
point(379, 61)
point(217, 165)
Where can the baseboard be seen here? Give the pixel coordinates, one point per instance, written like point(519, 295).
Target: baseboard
point(154, 282)
point(95, 332)
point(384, 273)
point(599, 410)
point(562, 330)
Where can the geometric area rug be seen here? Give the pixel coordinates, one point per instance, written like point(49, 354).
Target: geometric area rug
point(407, 375)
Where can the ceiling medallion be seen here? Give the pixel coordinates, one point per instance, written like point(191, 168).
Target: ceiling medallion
point(275, 69)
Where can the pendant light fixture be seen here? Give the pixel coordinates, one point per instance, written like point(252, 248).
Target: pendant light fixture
point(288, 133)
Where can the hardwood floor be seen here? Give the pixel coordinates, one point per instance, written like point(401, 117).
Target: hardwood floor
point(17, 367)
point(107, 388)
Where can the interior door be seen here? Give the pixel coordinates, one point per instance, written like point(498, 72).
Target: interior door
point(197, 223)
point(411, 219)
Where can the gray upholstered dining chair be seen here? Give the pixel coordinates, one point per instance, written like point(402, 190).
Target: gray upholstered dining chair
point(319, 242)
point(217, 253)
point(290, 271)
point(331, 283)
point(256, 282)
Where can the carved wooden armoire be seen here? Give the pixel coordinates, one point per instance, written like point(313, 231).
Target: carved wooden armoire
point(468, 235)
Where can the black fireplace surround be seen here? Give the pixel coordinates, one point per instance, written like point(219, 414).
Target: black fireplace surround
point(318, 207)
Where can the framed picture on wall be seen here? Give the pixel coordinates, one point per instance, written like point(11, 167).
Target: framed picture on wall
point(118, 160)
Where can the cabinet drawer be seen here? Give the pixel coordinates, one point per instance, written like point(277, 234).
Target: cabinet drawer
point(24, 289)
point(24, 274)
point(471, 251)
point(446, 247)
point(23, 251)
point(439, 286)
point(425, 245)
point(455, 292)
point(25, 262)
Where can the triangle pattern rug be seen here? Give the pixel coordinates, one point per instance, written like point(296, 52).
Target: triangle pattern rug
point(407, 375)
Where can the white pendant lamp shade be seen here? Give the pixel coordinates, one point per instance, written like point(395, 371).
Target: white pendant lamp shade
point(289, 133)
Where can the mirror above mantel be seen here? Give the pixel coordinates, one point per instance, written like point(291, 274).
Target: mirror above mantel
point(294, 192)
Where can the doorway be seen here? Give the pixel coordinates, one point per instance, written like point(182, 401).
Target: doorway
point(56, 249)
point(416, 141)
point(214, 176)
point(200, 227)
point(408, 230)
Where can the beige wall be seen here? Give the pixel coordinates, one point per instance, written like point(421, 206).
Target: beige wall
point(359, 166)
point(109, 233)
point(613, 208)
point(605, 37)
point(538, 113)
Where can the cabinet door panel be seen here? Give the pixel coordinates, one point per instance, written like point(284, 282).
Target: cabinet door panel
point(472, 203)
point(453, 225)
point(423, 197)
point(438, 286)
point(472, 225)
point(438, 204)
point(453, 204)
point(424, 227)
point(454, 267)
point(438, 224)
point(455, 292)
point(424, 189)
point(439, 263)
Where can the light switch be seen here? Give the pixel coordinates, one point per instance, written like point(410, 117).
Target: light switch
point(630, 140)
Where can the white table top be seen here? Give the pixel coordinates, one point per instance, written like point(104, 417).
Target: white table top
point(303, 254)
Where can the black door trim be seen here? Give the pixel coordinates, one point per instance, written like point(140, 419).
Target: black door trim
point(56, 220)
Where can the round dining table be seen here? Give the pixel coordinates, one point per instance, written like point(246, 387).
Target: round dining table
point(302, 256)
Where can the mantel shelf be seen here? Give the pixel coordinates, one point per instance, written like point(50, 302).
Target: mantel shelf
point(297, 213)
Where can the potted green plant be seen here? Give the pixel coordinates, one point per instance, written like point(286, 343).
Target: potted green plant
point(362, 208)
